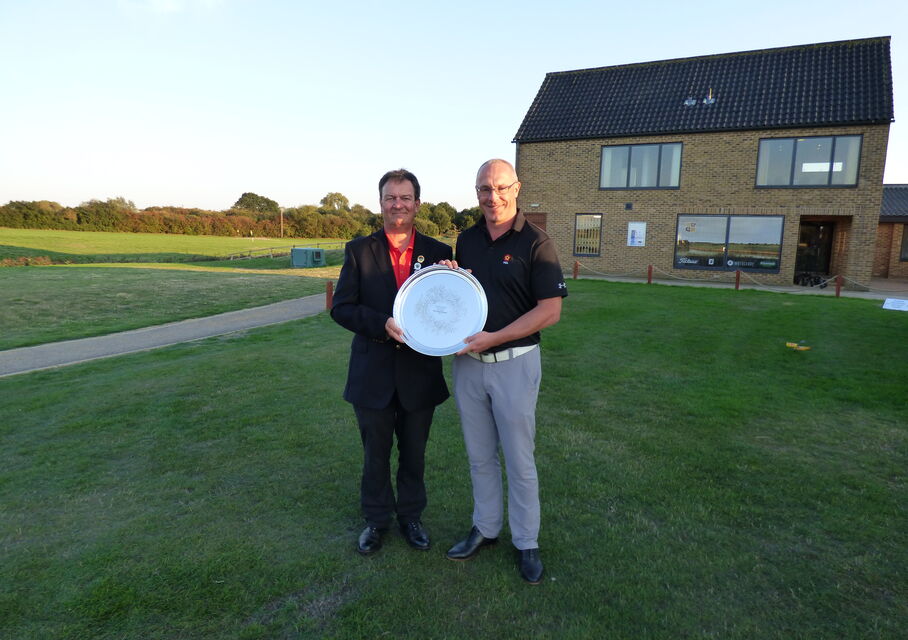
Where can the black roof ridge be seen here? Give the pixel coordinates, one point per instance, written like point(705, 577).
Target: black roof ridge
point(729, 54)
point(827, 84)
point(687, 132)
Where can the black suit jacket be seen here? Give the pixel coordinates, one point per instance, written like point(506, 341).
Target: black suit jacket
point(363, 302)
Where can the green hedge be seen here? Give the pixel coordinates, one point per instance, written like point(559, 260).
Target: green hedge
point(120, 215)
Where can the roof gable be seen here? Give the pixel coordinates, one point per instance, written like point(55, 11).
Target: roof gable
point(834, 83)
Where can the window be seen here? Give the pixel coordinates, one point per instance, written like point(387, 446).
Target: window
point(641, 166)
point(903, 254)
point(818, 161)
point(701, 241)
point(754, 242)
point(748, 243)
point(587, 234)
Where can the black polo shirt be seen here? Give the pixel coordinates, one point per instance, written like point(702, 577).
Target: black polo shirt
point(516, 270)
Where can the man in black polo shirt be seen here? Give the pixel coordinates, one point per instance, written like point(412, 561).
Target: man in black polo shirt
point(497, 375)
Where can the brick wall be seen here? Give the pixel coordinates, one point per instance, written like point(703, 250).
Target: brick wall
point(718, 173)
point(883, 250)
point(897, 268)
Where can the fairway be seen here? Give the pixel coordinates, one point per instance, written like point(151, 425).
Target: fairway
point(122, 281)
point(94, 246)
point(698, 478)
point(49, 304)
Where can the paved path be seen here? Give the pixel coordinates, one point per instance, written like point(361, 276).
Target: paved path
point(58, 354)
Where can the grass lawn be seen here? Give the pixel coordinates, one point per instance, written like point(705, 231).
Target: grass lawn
point(699, 480)
point(47, 304)
point(122, 281)
point(95, 246)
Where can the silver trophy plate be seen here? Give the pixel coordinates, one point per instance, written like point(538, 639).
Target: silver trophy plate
point(437, 307)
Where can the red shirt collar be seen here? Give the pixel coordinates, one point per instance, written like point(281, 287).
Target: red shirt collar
point(401, 261)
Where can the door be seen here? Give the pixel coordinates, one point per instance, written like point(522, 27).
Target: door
point(814, 248)
point(539, 219)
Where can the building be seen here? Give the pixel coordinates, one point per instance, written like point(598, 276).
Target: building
point(769, 162)
point(891, 258)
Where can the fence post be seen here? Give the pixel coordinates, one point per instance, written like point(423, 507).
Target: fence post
point(649, 274)
point(838, 285)
point(737, 279)
point(576, 269)
point(329, 295)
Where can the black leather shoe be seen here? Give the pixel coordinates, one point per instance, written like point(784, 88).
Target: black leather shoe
point(370, 540)
point(416, 535)
point(470, 546)
point(530, 566)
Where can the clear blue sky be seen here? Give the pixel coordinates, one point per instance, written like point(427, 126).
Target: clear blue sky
point(193, 102)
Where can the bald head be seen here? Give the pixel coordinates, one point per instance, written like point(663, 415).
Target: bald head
point(497, 188)
point(504, 165)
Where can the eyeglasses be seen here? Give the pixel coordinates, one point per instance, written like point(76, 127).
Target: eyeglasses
point(487, 191)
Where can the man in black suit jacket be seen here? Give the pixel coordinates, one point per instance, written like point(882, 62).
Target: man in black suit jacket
point(393, 389)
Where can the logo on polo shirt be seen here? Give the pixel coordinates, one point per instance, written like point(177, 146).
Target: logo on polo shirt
point(507, 259)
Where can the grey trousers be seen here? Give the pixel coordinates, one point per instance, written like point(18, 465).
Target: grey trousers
point(497, 405)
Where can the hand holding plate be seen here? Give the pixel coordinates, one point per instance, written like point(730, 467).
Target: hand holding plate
point(393, 330)
point(452, 264)
point(477, 343)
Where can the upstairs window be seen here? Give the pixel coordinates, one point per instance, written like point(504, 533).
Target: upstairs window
point(817, 161)
point(641, 166)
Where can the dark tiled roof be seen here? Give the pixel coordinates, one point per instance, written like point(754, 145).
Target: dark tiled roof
point(833, 83)
point(895, 202)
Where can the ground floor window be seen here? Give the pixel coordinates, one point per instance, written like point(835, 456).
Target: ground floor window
point(587, 234)
point(903, 254)
point(748, 243)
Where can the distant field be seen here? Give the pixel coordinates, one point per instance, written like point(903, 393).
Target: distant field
point(94, 246)
point(48, 304)
point(108, 282)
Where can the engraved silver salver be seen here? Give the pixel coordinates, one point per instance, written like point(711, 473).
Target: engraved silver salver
point(437, 307)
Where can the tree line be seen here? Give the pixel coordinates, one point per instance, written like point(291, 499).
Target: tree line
point(251, 215)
